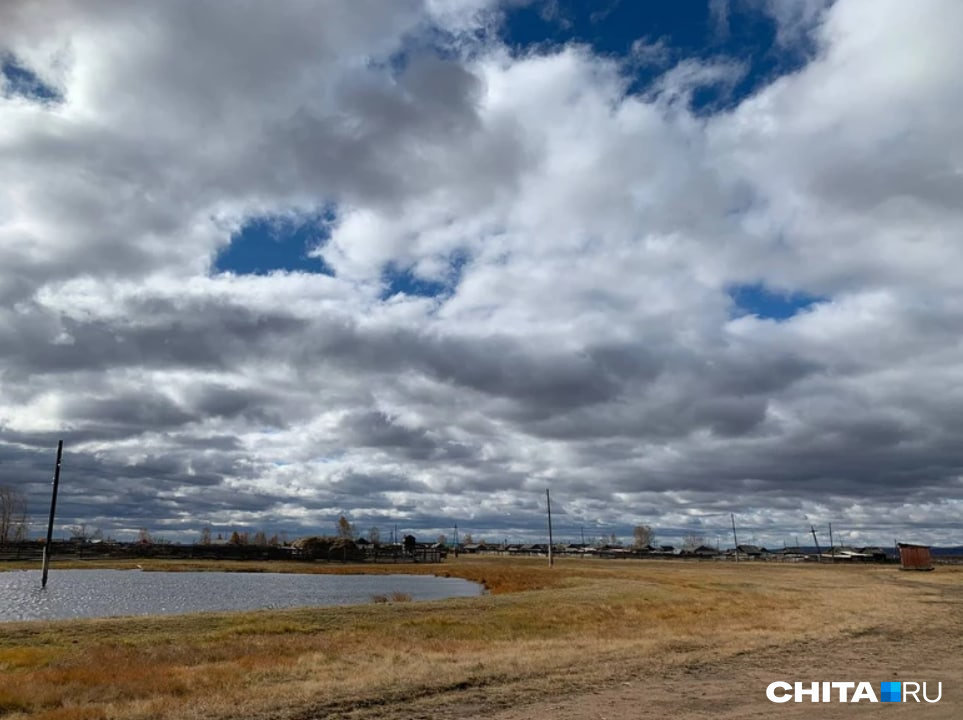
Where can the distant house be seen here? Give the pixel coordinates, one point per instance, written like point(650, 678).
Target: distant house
point(748, 552)
point(576, 548)
point(838, 553)
point(794, 554)
point(704, 551)
point(845, 553)
point(877, 554)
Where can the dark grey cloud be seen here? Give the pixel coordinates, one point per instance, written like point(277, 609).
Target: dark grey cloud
point(155, 333)
point(254, 405)
point(424, 445)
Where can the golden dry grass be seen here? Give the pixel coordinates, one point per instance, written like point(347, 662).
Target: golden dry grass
point(577, 623)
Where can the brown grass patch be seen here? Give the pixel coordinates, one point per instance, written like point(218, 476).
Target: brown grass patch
point(537, 625)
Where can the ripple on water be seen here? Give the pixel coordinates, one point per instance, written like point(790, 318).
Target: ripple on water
point(107, 593)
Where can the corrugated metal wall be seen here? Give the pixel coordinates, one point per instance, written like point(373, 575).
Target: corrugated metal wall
point(915, 557)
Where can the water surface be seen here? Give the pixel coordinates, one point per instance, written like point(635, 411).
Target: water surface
point(108, 593)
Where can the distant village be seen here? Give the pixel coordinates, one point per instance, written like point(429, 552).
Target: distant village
point(704, 552)
point(409, 549)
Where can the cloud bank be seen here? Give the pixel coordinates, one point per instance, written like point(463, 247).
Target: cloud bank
point(528, 276)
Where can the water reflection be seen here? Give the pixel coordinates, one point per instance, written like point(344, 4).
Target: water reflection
point(106, 593)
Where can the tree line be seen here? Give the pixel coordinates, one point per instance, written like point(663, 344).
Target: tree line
point(14, 528)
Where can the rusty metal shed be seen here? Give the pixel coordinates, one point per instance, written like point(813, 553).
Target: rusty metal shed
point(914, 557)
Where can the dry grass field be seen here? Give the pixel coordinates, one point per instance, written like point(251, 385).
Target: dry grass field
point(583, 639)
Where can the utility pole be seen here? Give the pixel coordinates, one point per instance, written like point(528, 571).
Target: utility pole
point(53, 508)
point(819, 552)
point(732, 516)
point(548, 500)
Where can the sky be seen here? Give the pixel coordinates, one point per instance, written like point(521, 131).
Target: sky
point(415, 262)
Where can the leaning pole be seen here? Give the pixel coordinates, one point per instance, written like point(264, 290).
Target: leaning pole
point(53, 508)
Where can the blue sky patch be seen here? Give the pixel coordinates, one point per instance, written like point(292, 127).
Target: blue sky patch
point(396, 280)
point(276, 243)
point(684, 28)
point(23, 82)
point(767, 304)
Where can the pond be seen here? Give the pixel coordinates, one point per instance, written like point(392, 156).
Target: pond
point(108, 593)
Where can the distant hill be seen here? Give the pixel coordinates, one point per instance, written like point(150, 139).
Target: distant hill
point(955, 550)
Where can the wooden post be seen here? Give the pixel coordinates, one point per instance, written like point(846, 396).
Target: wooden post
point(732, 516)
point(53, 508)
point(548, 499)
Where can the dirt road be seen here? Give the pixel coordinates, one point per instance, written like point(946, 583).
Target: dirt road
point(915, 637)
point(737, 688)
point(924, 641)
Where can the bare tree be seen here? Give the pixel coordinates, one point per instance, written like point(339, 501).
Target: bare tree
point(13, 515)
point(374, 535)
point(205, 535)
point(643, 536)
point(346, 530)
point(693, 541)
point(260, 539)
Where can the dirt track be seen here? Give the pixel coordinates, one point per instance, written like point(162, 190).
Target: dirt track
point(919, 638)
point(736, 688)
point(923, 642)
